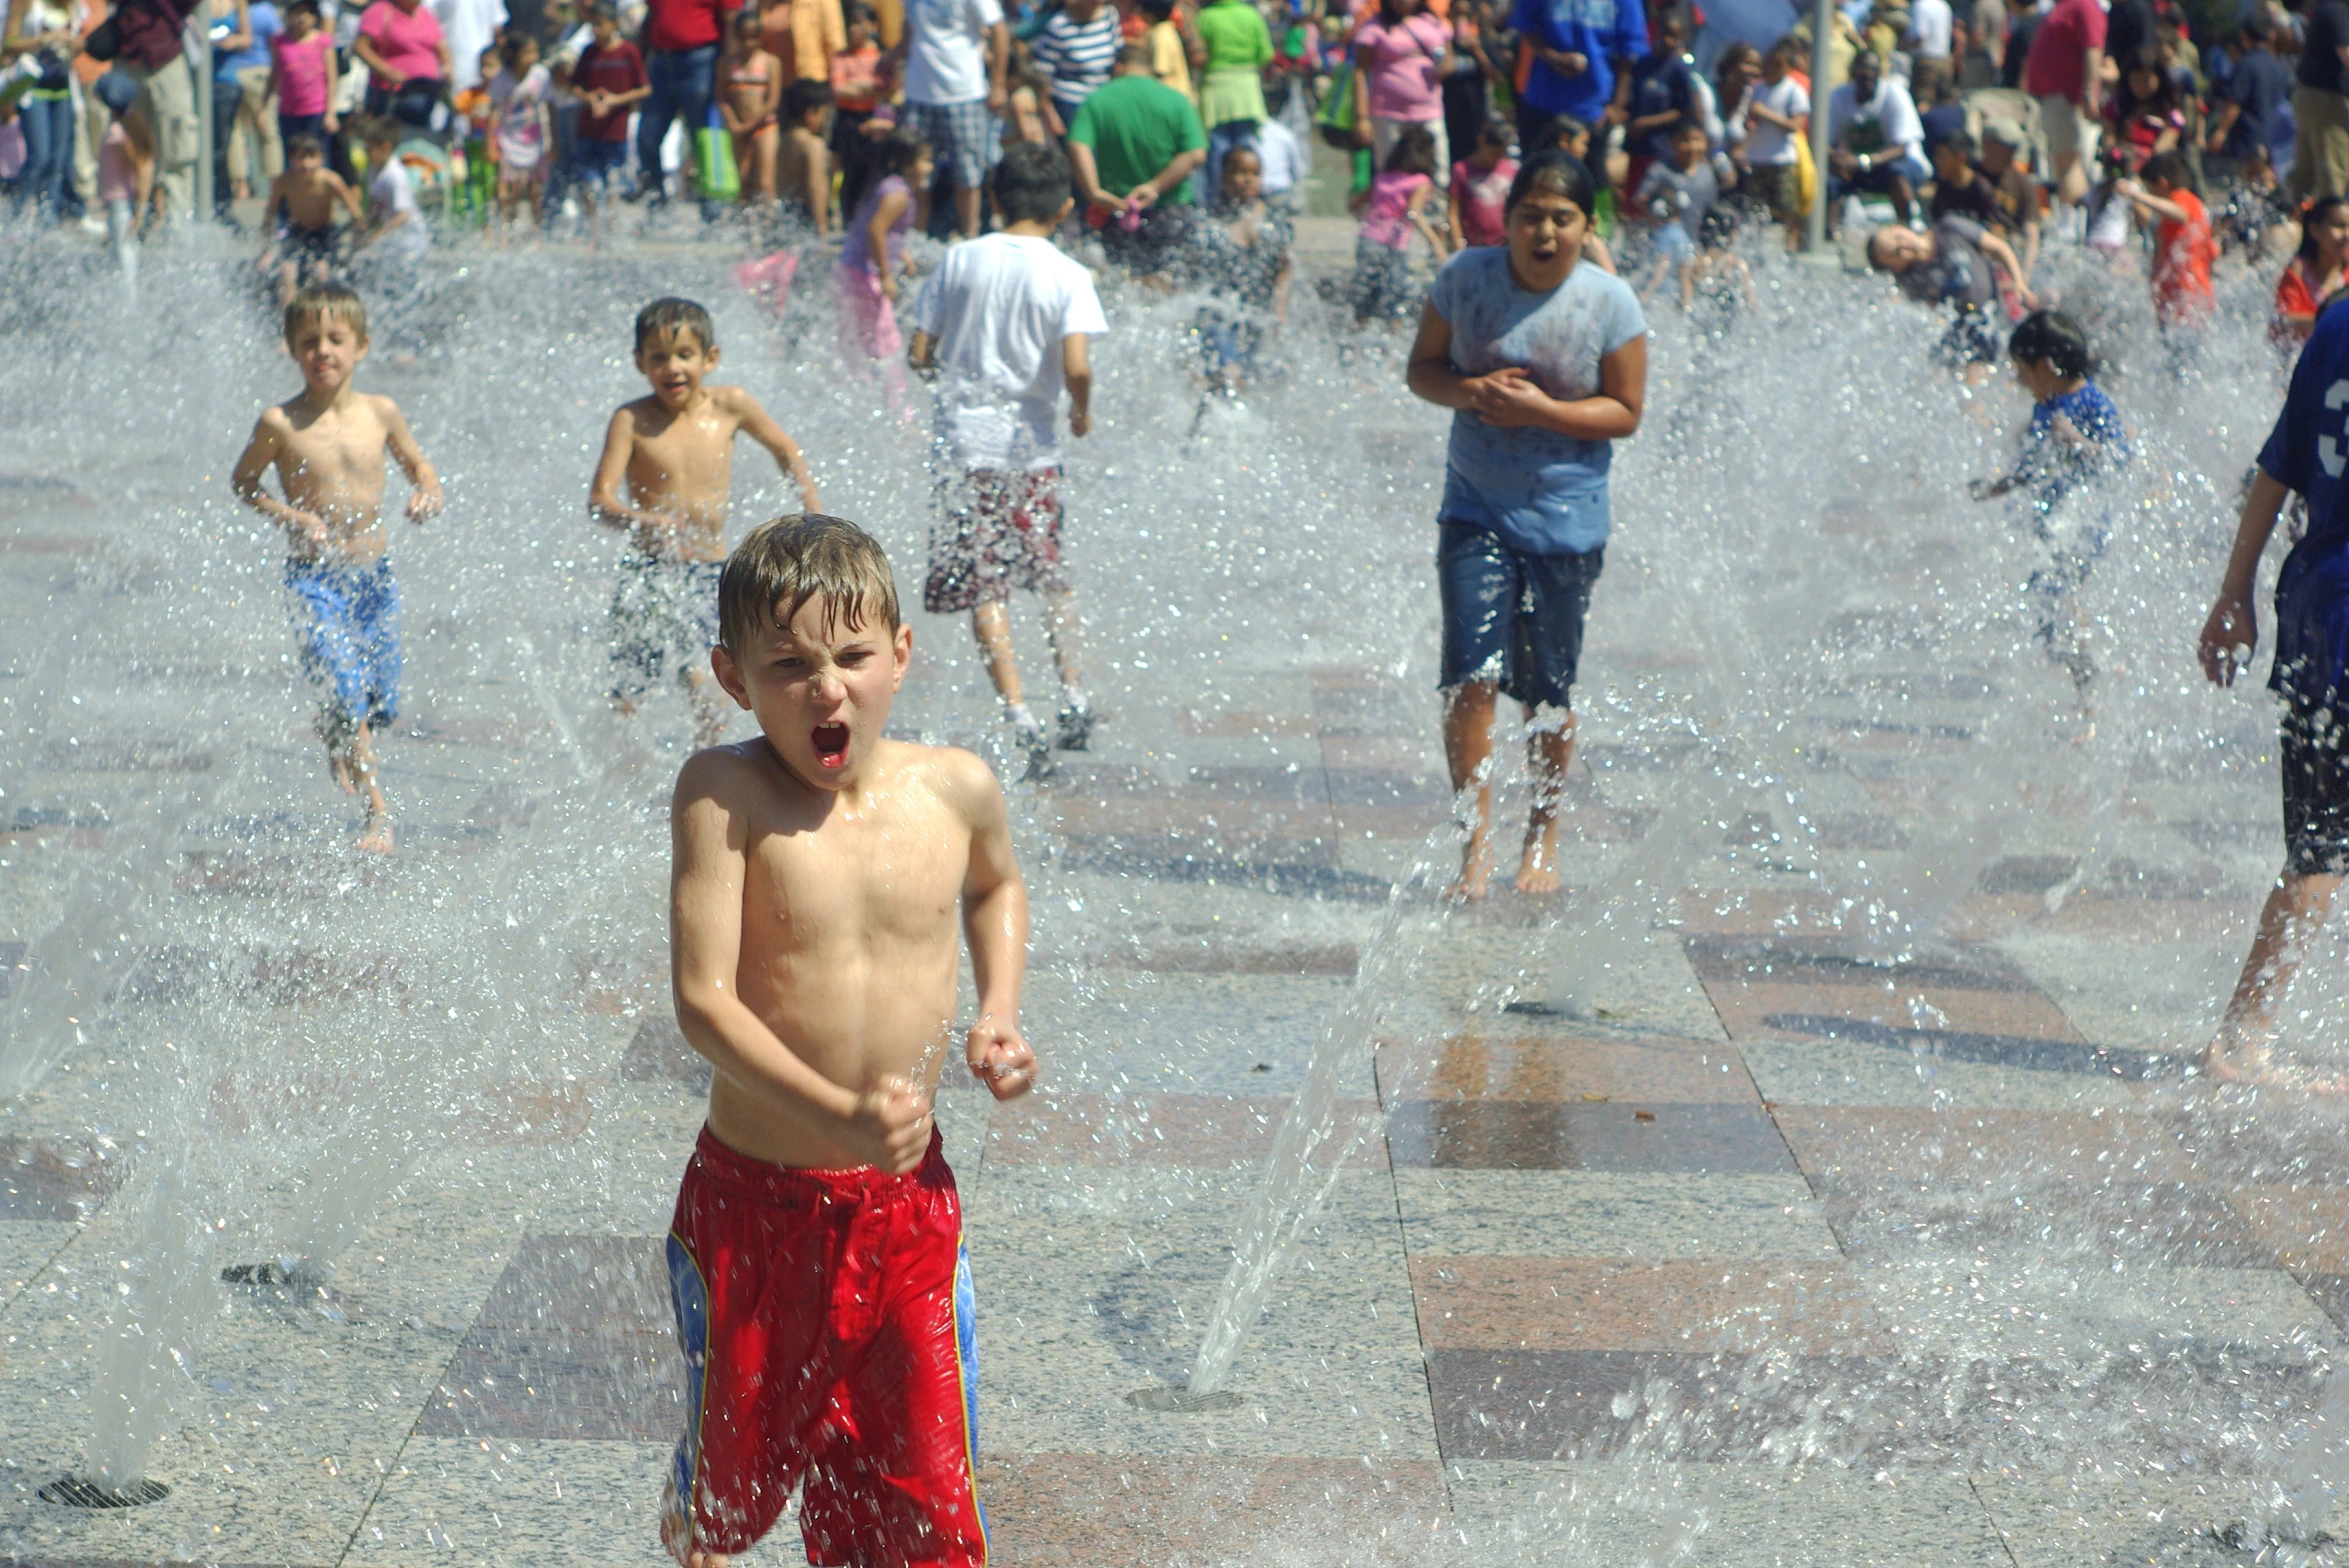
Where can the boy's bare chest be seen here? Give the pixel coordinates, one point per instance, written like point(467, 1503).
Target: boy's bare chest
point(901, 881)
point(346, 449)
point(696, 446)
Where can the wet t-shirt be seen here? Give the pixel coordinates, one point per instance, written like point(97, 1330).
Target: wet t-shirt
point(2308, 451)
point(1540, 492)
point(1958, 274)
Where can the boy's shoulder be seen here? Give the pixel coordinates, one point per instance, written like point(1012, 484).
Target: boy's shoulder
point(960, 779)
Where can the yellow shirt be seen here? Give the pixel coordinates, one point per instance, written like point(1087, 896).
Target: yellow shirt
point(804, 35)
point(1168, 62)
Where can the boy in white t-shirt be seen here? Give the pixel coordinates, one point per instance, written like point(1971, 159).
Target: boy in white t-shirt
point(1775, 110)
point(1002, 326)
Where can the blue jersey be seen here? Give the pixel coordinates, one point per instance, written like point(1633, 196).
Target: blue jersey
point(2056, 468)
point(2308, 451)
point(1602, 31)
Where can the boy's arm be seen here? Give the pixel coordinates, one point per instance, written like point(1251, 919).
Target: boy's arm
point(2231, 635)
point(756, 423)
point(261, 451)
point(1419, 219)
point(424, 498)
point(348, 197)
point(603, 491)
point(1076, 368)
point(921, 353)
point(889, 1125)
point(1997, 250)
point(1282, 282)
point(2160, 206)
point(995, 924)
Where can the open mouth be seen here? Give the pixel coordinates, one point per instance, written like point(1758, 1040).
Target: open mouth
point(831, 742)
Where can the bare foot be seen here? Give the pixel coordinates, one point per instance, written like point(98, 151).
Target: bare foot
point(1476, 874)
point(340, 767)
point(677, 1535)
point(377, 839)
point(2235, 1058)
point(1534, 877)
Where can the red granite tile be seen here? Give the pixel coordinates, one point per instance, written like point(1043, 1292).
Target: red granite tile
point(1146, 1510)
point(2308, 1226)
point(1564, 1068)
point(1576, 1135)
point(1695, 1306)
point(1862, 1146)
point(1206, 1130)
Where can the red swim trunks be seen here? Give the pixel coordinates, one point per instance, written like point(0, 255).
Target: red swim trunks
point(830, 1344)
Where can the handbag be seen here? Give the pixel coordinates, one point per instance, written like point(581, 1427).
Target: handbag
point(1335, 118)
point(714, 168)
point(104, 41)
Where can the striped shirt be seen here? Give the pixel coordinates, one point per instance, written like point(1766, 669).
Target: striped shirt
point(1077, 56)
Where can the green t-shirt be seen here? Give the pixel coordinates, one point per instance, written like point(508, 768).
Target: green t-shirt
point(1235, 36)
point(1136, 126)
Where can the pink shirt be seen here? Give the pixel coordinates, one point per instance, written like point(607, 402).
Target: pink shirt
point(1387, 221)
point(1483, 195)
point(301, 72)
point(408, 41)
point(1400, 62)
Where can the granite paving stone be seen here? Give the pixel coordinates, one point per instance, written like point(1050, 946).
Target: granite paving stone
point(1610, 1214)
point(1615, 1136)
point(1565, 1069)
point(1682, 1306)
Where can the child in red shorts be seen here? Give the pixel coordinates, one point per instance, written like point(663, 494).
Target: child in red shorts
point(816, 1261)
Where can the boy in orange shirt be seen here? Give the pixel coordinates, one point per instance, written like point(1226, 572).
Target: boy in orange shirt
point(2183, 246)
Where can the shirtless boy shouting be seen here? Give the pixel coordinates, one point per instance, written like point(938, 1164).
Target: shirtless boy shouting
point(675, 449)
point(816, 1262)
point(328, 446)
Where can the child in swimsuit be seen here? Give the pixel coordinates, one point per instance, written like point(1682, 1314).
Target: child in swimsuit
point(750, 89)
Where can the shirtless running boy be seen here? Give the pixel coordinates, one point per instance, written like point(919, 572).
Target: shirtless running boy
point(328, 446)
point(675, 449)
point(303, 199)
point(816, 1262)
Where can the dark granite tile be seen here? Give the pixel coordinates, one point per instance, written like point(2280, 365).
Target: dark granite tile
point(1997, 1050)
point(1210, 1131)
point(1746, 1007)
point(2215, 837)
point(1539, 1135)
point(658, 1052)
point(2027, 873)
point(126, 754)
point(1859, 1411)
point(1143, 1510)
point(1827, 960)
point(1102, 779)
point(2174, 1224)
point(1565, 1069)
point(575, 1340)
point(54, 1179)
point(1860, 830)
point(1305, 869)
point(1684, 1306)
point(1856, 1149)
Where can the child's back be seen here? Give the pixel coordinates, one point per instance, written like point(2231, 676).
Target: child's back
point(1001, 307)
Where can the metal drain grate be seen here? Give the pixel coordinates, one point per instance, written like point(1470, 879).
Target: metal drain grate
point(71, 1491)
point(1181, 1400)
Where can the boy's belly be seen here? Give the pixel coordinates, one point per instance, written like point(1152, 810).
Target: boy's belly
point(741, 1116)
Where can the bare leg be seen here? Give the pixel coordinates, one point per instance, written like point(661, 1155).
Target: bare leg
point(1060, 629)
point(1468, 750)
point(992, 624)
point(966, 212)
point(1550, 751)
point(2296, 907)
point(1904, 200)
point(376, 839)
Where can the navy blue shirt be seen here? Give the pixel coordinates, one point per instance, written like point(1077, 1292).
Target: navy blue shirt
point(1659, 84)
point(2308, 451)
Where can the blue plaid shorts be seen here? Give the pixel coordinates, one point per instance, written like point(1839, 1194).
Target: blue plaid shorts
point(963, 135)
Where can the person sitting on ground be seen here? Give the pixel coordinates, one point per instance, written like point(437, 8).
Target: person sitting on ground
point(1958, 190)
point(2018, 196)
point(1005, 323)
point(803, 174)
point(302, 201)
point(1544, 363)
point(1877, 141)
point(1403, 198)
point(2313, 275)
point(1949, 264)
point(2310, 674)
point(1134, 145)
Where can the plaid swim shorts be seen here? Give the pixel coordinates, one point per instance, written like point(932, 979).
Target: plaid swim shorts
point(996, 531)
point(963, 135)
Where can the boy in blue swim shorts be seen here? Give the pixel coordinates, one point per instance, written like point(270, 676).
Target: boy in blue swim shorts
point(328, 447)
point(1543, 358)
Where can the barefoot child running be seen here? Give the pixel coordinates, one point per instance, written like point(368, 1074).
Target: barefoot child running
point(816, 1261)
point(675, 450)
point(1544, 358)
point(328, 446)
point(1006, 321)
point(2311, 674)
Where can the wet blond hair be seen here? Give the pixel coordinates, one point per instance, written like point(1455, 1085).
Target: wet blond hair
point(326, 302)
point(782, 564)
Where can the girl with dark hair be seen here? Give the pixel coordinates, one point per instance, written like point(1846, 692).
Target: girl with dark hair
point(1403, 197)
point(1543, 359)
point(2311, 277)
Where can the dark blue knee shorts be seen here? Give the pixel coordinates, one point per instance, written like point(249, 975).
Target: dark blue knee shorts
point(1511, 618)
